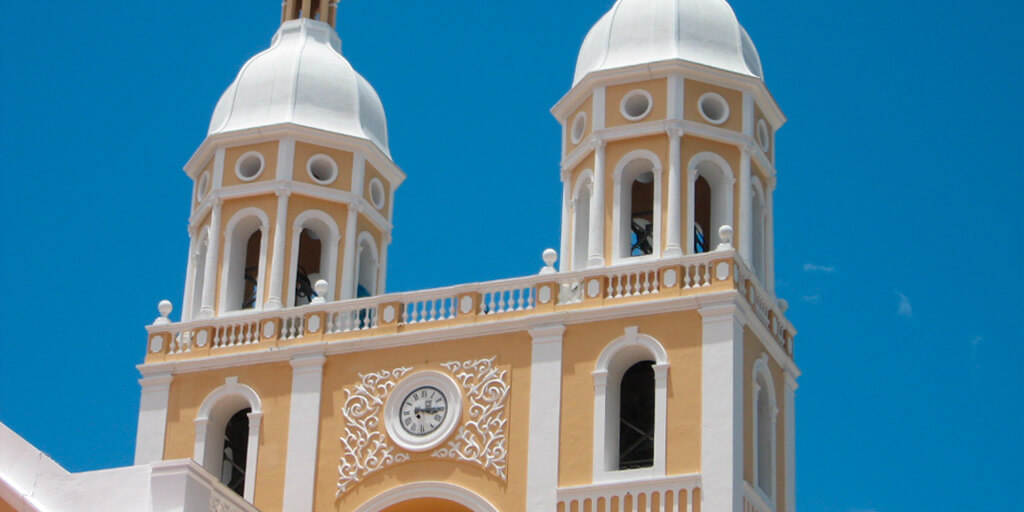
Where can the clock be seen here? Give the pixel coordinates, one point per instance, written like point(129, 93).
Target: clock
point(423, 410)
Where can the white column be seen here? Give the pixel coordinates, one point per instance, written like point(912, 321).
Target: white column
point(660, 417)
point(790, 439)
point(382, 265)
point(746, 220)
point(769, 238)
point(348, 264)
point(675, 207)
point(596, 237)
point(567, 209)
point(210, 274)
point(722, 407)
point(303, 432)
point(286, 159)
point(149, 439)
point(252, 451)
point(545, 409)
point(190, 276)
point(277, 261)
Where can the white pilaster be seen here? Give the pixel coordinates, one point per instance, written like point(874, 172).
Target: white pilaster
point(252, 457)
point(596, 238)
point(676, 96)
point(206, 310)
point(746, 223)
point(675, 209)
point(545, 407)
point(303, 432)
point(190, 275)
point(382, 267)
point(286, 159)
point(769, 238)
point(691, 179)
point(721, 408)
point(348, 278)
point(218, 168)
point(277, 261)
point(149, 439)
point(597, 109)
point(790, 440)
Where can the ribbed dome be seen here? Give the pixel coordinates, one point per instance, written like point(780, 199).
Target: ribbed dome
point(303, 79)
point(646, 31)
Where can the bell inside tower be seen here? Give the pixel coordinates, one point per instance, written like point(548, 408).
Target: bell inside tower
point(642, 215)
point(308, 270)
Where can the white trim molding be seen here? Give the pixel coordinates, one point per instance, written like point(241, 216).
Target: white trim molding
point(721, 406)
point(149, 438)
point(626, 350)
point(443, 490)
point(761, 372)
point(545, 412)
point(213, 415)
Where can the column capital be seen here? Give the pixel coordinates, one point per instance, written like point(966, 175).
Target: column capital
point(598, 142)
point(547, 333)
point(675, 131)
point(282, 192)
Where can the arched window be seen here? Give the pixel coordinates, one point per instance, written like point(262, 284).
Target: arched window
point(710, 200)
point(759, 218)
point(581, 221)
point(630, 407)
point(638, 205)
point(227, 436)
point(314, 255)
point(764, 414)
point(244, 261)
point(636, 417)
point(366, 273)
point(236, 447)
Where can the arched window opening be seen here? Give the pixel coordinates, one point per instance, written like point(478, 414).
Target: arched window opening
point(638, 222)
point(641, 216)
point(366, 284)
point(636, 417)
point(581, 227)
point(308, 270)
point(702, 216)
point(235, 451)
point(250, 281)
point(763, 437)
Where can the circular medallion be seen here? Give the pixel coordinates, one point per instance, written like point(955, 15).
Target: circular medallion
point(670, 278)
point(314, 323)
point(423, 410)
point(593, 288)
point(544, 295)
point(202, 337)
point(722, 271)
point(268, 329)
point(156, 344)
point(466, 304)
point(389, 313)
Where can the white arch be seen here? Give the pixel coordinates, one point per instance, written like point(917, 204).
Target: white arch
point(328, 250)
point(216, 409)
point(622, 179)
point(582, 195)
point(623, 352)
point(366, 238)
point(246, 220)
point(719, 174)
point(442, 490)
point(763, 374)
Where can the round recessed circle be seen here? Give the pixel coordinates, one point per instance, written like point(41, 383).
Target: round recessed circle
point(156, 344)
point(579, 126)
point(713, 107)
point(764, 138)
point(423, 410)
point(377, 193)
point(322, 169)
point(203, 187)
point(249, 166)
point(636, 105)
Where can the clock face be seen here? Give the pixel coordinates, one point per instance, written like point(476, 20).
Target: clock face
point(423, 411)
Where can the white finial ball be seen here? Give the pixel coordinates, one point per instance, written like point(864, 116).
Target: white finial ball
point(320, 287)
point(725, 233)
point(165, 307)
point(550, 256)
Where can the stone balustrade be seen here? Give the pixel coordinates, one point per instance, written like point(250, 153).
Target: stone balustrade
point(546, 293)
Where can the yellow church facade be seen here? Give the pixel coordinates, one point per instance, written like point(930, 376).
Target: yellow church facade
point(647, 366)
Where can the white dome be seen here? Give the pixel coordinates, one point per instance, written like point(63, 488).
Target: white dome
point(646, 31)
point(303, 79)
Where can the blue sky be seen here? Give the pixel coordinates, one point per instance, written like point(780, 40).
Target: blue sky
point(898, 215)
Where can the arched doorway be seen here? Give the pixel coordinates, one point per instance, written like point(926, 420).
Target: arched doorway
point(427, 505)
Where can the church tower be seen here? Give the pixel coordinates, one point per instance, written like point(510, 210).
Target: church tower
point(653, 370)
point(294, 182)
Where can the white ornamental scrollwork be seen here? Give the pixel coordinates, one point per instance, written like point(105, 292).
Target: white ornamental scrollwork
point(365, 446)
point(481, 439)
point(219, 504)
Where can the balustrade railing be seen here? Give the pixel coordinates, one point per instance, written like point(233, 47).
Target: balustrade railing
point(477, 302)
point(677, 494)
